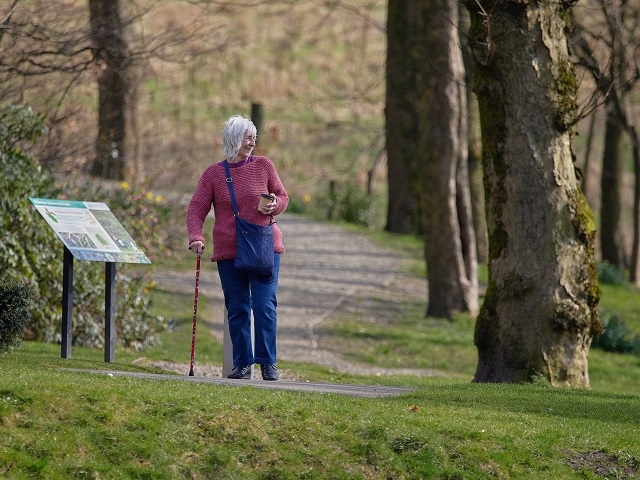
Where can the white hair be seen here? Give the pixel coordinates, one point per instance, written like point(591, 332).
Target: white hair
point(233, 132)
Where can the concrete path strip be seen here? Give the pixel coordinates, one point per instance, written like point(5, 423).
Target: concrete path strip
point(367, 391)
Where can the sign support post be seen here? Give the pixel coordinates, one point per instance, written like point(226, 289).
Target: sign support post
point(109, 311)
point(67, 303)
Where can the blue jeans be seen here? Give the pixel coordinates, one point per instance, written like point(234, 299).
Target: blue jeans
point(244, 292)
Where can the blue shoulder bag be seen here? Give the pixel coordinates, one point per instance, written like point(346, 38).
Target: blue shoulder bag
point(255, 243)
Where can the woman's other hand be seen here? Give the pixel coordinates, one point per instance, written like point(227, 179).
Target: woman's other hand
point(269, 207)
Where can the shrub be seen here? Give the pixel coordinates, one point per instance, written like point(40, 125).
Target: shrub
point(355, 206)
point(299, 205)
point(136, 328)
point(144, 214)
point(14, 313)
point(146, 217)
point(609, 274)
point(349, 204)
point(616, 337)
point(30, 252)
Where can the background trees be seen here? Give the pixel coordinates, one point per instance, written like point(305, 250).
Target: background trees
point(44, 60)
point(426, 129)
point(318, 70)
point(83, 66)
point(605, 41)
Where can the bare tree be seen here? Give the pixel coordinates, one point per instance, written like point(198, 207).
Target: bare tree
point(44, 54)
point(402, 117)
point(540, 311)
point(111, 52)
point(49, 54)
point(606, 43)
point(449, 239)
point(612, 245)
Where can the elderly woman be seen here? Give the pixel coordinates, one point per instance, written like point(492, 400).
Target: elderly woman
point(243, 292)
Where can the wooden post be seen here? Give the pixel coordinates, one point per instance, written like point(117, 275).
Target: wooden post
point(67, 303)
point(256, 118)
point(227, 347)
point(333, 197)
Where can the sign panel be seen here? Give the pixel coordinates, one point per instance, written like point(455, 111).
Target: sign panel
point(90, 231)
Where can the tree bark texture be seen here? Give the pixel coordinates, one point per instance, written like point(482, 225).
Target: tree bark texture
point(634, 275)
point(401, 112)
point(611, 237)
point(541, 306)
point(474, 155)
point(110, 50)
point(449, 238)
point(476, 184)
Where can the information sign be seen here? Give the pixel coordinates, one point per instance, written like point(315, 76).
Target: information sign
point(90, 231)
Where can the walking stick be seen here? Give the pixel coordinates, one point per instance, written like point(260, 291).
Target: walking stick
point(195, 312)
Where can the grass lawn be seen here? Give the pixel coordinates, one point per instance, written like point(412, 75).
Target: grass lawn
point(62, 424)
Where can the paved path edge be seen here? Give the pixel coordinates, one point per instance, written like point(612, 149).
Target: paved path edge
point(365, 391)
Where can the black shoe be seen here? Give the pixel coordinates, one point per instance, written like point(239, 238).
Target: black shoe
point(269, 372)
point(241, 372)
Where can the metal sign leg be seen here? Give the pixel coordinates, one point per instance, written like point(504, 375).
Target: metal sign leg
point(109, 311)
point(67, 303)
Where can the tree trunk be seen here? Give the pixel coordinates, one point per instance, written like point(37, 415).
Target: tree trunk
point(402, 124)
point(449, 239)
point(634, 275)
point(474, 145)
point(110, 51)
point(541, 306)
point(611, 238)
point(586, 166)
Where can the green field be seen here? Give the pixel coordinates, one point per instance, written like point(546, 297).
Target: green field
point(59, 423)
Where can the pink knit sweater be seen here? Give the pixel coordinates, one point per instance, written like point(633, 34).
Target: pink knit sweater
point(250, 178)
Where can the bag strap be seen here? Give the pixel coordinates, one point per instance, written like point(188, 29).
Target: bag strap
point(234, 205)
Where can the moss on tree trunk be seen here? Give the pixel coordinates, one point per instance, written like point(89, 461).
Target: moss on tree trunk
point(541, 307)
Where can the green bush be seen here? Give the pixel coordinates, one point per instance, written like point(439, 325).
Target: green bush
point(30, 252)
point(14, 313)
point(136, 328)
point(349, 204)
point(609, 274)
point(146, 217)
point(355, 206)
point(616, 337)
point(297, 205)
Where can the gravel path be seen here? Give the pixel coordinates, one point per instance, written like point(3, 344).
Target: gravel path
point(325, 268)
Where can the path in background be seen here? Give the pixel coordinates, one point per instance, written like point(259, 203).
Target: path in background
point(325, 268)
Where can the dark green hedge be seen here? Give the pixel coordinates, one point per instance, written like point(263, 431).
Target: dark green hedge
point(14, 313)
